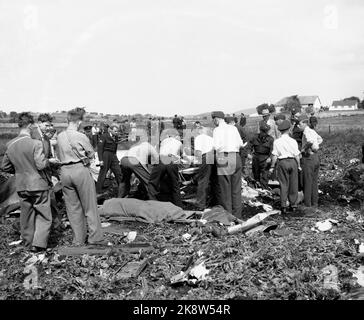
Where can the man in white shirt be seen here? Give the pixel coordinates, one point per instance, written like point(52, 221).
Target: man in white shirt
point(166, 169)
point(227, 143)
point(285, 151)
point(310, 161)
point(136, 161)
point(95, 135)
point(204, 153)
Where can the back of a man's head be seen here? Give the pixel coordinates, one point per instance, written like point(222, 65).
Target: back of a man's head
point(45, 117)
point(24, 119)
point(75, 115)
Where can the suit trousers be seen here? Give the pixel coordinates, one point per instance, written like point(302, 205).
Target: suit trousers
point(310, 169)
point(161, 171)
point(203, 182)
point(260, 170)
point(35, 217)
point(80, 197)
point(229, 182)
point(131, 165)
point(287, 175)
point(110, 162)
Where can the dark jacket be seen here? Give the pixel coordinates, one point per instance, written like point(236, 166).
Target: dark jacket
point(241, 132)
point(262, 145)
point(106, 143)
point(297, 134)
point(242, 121)
point(24, 157)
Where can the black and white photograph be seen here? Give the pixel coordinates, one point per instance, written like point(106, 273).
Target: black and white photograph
point(202, 152)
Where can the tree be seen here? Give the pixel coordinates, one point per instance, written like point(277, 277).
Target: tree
point(353, 98)
point(3, 114)
point(292, 105)
point(263, 106)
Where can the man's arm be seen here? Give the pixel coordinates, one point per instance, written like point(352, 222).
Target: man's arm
point(7, 165)
point(41, 162)
point(86, 144)
point(100, 148)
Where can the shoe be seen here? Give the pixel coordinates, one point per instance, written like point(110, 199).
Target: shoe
point(283, 211)
point(36, 249)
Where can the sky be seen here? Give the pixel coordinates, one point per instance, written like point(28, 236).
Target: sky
point(171, 57)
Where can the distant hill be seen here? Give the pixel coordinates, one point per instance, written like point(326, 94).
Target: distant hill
point(208, 114)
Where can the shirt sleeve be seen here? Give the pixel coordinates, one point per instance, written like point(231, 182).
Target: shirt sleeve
point(275, 149)
point(216, 140)
point(7, 165)
point(198, 143)
point(239, 141)
point(40, 160)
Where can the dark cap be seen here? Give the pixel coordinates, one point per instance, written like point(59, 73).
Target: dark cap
point(303, 117)
point(279, 116)
point(285, 125)
point(229, 119)
point(217, 114)
point(263, 126)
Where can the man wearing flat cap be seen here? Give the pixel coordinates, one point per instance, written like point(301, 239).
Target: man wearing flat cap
point(310, 161)
point(273, 131)
point(262, 146)
point(227, 143)
point(286, 155)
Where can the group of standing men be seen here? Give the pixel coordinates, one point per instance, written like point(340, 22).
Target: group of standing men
point(288, 148)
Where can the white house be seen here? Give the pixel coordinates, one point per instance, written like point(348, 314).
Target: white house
point(344, 105)
point(305, 101)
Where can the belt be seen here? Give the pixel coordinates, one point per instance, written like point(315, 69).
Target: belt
point(286, 158)
point(70, 163)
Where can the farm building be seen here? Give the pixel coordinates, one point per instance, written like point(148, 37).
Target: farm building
point(305, 101)
point(342, 105)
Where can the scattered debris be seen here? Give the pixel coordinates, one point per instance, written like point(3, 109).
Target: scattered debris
point(199, 272)
point(15, 243)
point(359, 275)
point(132, 269)
point(186, 237)
point(331, 279)
point(252, 222)
point(105, 224)
point(325, 225)
point(105, 250)
point(131, 236)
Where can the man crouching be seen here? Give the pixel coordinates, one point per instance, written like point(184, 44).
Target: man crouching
point(25, 157)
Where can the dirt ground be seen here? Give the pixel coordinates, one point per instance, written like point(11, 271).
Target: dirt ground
point(285, 263)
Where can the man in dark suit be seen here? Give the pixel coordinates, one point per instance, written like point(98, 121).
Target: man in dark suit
point(25, 157)
point(106, 150)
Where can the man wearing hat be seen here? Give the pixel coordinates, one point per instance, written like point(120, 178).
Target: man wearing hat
point(278, 119)
point(106, 150)
point(273, 131)
point(227, 143)
point(262, 146)
point(310, 161)
point(286, 155)
point(313, 121)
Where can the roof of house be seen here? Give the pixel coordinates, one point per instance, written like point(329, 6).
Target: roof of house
point(303, 100)
point(348, 103)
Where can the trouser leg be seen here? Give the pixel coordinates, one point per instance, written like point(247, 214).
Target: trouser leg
point(124, 188)
point(256, 168)
point(315, 173)
point(154, 182)
point(74, 209)
point(116, 170)
point(293, 184)
point(43, 218)
point(203, 180)
point(27, 217)
point(103, 171)
point(236, 189)
point(172, 171)
point(87, 193)
point(307, 181)
point(282, 176)
point(224, 197)
point(264, 173)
